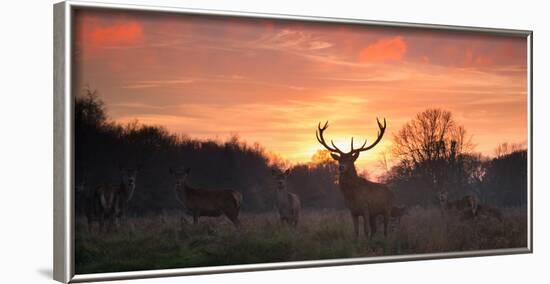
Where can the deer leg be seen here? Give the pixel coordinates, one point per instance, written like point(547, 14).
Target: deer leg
point(195, 218)
point(108, 227)
point(369, 225)
point(237, 223)
point(285, 219)
point(101, 223)
point(295, 220)
point(122, 217)
point(234, 219)
point(386, 220)
point(355, 219)
point(373, 225)
point(89, 224)
point(183, 221)
point(109, 224)
point(498, 215)
point(117, 220)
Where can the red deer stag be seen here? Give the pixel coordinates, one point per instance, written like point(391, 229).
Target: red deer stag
point(206, 202)
point(108, 203)
point(287, 203)
point(363, 198)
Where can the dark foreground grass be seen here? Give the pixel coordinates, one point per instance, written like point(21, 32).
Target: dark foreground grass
point(162, 242)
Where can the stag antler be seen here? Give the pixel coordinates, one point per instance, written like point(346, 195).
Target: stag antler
point(321, 139)
point(382, 129)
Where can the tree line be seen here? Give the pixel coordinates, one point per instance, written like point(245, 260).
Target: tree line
point(428, 160)
point(103, 147)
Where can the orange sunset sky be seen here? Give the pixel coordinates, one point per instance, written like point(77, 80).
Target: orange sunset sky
point(272, 81)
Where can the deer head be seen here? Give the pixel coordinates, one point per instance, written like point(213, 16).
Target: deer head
point(443, 198)
point(280, 178)
point(107, 200)
point(180, 175)
point(128, 178)
point(346, 160)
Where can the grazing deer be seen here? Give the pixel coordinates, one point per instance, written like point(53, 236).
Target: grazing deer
point(363, 198)
point(468, 207)
point(481, 210)
point(287, 203)
point(108, 203)
point(206, 202)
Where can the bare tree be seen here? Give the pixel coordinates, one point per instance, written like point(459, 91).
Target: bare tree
point(432, 144)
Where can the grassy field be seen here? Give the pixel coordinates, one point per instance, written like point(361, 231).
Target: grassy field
point(162, 242)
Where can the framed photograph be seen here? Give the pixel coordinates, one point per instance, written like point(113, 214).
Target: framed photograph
point(195, 141)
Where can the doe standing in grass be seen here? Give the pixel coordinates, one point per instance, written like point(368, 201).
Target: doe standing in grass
point(287, 203)
point(108, 203)
point(207, 202)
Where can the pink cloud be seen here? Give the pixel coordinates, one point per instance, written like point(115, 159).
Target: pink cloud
point(387, 49)
point(93, 34)
point(120, 33)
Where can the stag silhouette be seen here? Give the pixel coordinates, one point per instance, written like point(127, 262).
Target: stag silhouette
point(363, 198)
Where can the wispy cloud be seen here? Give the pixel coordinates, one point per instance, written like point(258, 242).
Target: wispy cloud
point(156, 83)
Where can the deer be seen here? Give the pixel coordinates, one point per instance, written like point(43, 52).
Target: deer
point(466, 203)
point(362, 197)
point(488, 211)
point(206, 202)
point(468, 207)
point(108, 203)
point(287, 203)
point(471, 209)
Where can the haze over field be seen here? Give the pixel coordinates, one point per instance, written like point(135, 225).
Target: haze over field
point(272, 82)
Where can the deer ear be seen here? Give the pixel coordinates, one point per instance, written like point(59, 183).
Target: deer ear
point(334, 156)
point(355, 156)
